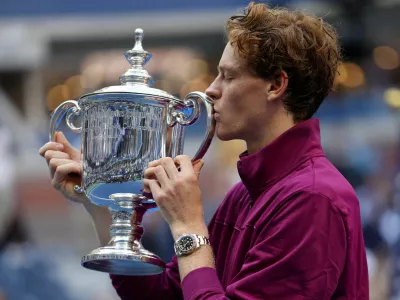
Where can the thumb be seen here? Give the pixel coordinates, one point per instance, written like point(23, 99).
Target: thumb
point(60, 138)
point(197, 166)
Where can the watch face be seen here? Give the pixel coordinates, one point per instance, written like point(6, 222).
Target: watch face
point(185, 244)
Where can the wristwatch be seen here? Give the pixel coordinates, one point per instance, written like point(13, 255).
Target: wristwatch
point(188, 243)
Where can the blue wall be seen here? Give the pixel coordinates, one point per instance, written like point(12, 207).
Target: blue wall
point(18, 8)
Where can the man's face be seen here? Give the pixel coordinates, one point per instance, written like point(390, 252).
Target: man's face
point(240, 102)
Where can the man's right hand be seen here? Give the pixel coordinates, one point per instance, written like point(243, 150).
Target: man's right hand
point(65, 167)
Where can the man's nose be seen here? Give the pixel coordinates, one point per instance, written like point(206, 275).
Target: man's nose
point(213, 91)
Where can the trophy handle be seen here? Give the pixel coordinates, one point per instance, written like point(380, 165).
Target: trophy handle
point(194, 100)
point(71, 109)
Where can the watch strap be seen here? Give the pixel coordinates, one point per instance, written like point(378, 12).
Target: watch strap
point(202, 240)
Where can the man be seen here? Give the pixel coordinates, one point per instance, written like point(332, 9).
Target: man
point(291, 229)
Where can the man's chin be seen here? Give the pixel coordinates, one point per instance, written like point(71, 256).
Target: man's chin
point(224, 136)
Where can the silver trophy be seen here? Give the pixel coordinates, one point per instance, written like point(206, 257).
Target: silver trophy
point(123, 128)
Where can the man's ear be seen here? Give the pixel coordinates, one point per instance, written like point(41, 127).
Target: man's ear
point(277, 87)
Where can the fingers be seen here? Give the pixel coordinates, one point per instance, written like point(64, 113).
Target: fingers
point(61, 139)
point(61, 145)
point(55, 163)
point(197, 166)
point(149, 173)
point(157, 173)
point(185, 163)
point(62, 171)
point(146, 186)
point(151, 185)
point(164, 171)
point(49, 154)
point(170, 167)
point(155, 163)
point(50, 146)
point(168, 164)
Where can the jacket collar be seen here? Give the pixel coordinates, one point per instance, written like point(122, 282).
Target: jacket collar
point(280, 157)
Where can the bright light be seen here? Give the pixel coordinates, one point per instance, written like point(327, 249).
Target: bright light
point(352, 75)
point(392, 97)
point(74, 87)
point(56, 95)
point(342, 74)
point(386, 58)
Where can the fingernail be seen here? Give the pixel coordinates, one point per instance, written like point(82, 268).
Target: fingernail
point(59, 146)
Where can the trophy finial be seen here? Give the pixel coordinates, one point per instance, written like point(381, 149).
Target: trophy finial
point(137, 57)
point(139, 35)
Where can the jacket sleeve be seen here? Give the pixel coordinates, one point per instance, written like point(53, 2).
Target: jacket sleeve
point(298, 254)
point(163, 286)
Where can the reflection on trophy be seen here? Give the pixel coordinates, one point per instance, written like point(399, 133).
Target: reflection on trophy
point(124, 128)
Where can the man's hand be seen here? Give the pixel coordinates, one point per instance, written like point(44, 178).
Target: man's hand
point(66, 171)
point(177, 193)
point(65, 167)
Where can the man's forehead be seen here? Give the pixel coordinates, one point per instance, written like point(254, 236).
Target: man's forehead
point(230, 59)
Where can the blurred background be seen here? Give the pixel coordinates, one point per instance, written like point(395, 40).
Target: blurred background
point(53, 50)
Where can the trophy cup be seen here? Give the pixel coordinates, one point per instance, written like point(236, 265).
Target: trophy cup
point(123, 128)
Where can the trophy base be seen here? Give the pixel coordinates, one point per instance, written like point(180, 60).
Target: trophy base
point(123, 262)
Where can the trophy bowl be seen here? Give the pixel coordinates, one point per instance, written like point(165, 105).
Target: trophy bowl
point(124, 128)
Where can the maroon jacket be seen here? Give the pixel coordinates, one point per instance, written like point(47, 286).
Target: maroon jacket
point(290, 230)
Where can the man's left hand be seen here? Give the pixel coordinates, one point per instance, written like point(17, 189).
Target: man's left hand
point(177, 193)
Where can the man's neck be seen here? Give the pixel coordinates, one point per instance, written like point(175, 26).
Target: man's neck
point(274, 128)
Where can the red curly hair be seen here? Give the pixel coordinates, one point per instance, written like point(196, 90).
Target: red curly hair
point(302, 45)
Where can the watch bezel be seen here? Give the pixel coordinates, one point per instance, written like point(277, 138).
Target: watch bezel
point(195, 245)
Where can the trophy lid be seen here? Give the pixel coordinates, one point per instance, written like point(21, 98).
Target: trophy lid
point(136, 80)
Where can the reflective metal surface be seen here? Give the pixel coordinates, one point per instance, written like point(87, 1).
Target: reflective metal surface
point(136, 79)
point(119, 140)
point(125, 254)
point(123, 129)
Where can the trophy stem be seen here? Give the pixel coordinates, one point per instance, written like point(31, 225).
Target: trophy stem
point(127, 213)
point(125, 254)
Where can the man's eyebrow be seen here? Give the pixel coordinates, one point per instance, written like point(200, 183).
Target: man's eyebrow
point(225, 68)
